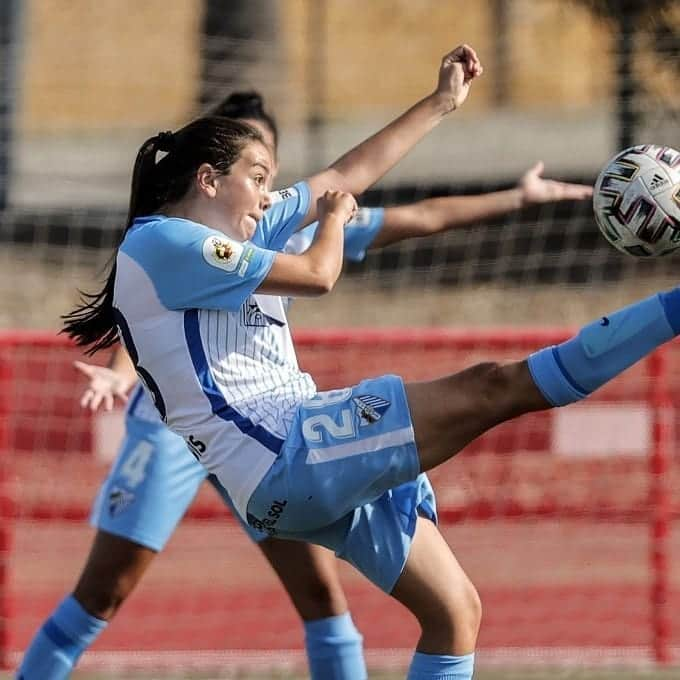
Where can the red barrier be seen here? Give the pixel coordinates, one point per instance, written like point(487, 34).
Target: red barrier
point(546, 479)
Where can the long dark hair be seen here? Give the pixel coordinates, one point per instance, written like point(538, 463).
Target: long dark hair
point(247, 104)
point(164, 170)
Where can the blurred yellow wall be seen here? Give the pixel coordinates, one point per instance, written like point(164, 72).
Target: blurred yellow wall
point(560, 55)
point(98, 64)
point(383, 54)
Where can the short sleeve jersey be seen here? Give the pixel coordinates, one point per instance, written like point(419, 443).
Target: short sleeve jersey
point(213, 355)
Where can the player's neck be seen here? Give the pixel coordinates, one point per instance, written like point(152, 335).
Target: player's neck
point(196, 211)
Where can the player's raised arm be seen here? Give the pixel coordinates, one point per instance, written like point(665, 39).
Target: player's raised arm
point(315, 271)
point(369, 161)
point(436, 215)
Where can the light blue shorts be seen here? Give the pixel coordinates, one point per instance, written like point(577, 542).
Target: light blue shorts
point(152, 482)
point(348, 478)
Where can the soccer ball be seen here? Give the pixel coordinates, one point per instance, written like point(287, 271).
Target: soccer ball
point(637, 200)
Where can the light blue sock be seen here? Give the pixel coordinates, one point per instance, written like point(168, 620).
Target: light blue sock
point(57, 646)
point(571, 371)
point(334, 649)
point(441, 667)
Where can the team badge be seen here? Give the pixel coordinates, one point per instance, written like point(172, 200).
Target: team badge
point(222, 252)
point(252, 314)
point(370, 409)
point(119, 500)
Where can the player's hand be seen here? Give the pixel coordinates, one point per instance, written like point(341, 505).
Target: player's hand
point(536, 189)
point(338, 203)
point(105, 385)
point(458, 69)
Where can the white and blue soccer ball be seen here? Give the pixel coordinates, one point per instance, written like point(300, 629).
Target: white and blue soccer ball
point(637, 200)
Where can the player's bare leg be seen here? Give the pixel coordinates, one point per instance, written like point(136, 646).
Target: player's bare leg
point(116, 565)
point(448, 413)
point(309, 574)
point(436, 590)
point(113, 569)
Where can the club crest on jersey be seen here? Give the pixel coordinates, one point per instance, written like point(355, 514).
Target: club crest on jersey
point(252, 314)
point(370, 409)
point(222, 253)
point(119, 500)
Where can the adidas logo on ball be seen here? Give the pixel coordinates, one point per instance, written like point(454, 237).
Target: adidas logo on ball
point(657, 182)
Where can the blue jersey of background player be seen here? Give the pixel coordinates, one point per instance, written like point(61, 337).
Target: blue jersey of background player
point(146, 494)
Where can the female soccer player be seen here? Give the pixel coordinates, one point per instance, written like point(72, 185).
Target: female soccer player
point(153, 480)
point(116, 563)
point(341, 468)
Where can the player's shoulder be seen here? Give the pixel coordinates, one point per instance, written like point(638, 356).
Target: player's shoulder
point(296, 192)
point(162, 231)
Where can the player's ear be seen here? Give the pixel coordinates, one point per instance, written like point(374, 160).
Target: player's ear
point(206, 180)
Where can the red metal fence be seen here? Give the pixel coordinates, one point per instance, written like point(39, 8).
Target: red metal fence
point(563, 519)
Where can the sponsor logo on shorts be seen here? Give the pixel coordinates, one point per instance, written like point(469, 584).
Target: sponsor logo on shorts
point(119, 500)
point(370, 409)
point(268, 524)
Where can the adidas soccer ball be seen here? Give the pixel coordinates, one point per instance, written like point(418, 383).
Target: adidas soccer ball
point(637, 200)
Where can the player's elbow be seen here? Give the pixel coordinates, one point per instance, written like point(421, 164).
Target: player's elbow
point(428, 220)
point(348, 179)
point(322, 279)
point(322, 284)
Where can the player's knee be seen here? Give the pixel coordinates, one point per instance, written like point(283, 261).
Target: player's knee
point(473, 611)
point(455, 626)
point(101, 601)
point(319, 600)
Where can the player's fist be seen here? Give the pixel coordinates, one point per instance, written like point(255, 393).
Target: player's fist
point(337, 203)
point(458, 69)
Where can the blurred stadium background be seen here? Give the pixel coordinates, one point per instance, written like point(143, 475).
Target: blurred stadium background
point(566, 522)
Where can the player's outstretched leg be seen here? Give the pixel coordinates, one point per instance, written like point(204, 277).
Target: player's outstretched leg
point(114, 567)
point(310, 575)
point(434, 587)
point(448, 413)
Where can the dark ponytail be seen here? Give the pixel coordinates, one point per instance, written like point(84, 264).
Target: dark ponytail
point(156, 181)
point(247, 105)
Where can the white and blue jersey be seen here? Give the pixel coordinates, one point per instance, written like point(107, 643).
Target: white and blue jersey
point(340, 469)
point(153, 480)
point(216, 358)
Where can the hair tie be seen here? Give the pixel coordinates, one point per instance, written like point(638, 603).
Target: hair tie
point(165, 141)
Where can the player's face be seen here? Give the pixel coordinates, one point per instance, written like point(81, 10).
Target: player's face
point(243, 193)
point(269, 140)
